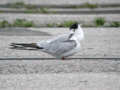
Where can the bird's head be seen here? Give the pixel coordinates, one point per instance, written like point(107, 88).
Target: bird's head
point(77, 30)
point(74, 26)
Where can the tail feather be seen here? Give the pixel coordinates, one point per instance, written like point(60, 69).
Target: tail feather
point(25, 46)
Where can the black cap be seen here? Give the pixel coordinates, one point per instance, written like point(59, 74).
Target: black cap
point(74, 26)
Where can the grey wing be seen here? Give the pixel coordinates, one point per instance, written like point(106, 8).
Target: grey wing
point(60, 38)
point(46, 43)
point(58, 48)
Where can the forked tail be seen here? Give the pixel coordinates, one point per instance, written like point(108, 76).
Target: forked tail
point(25, 46)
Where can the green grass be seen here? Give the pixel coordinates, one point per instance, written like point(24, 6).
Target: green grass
point(115, 24)
point(26, 23)
point(4, 24)
point(21, 5)
point(29, 6)
point(1, 11)
point(16, 5)
point(87, 5)
point(23, 23)
point(43, 10)
point(17, 23)
point(66, 24)
point(99, 21)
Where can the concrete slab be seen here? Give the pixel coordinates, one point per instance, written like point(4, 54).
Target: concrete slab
point(50, 65)
point(98, 42)
point(77, 81)
point(115, 10)
point(61, 2)
point(21, 32)
point(44, 19)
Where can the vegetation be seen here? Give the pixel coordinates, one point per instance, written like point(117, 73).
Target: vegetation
point(115, 24)
point(99, 21)
point(21, 5)
point(16, 5)
point(26, 23)
point(66, 24)
point(23, 23)
point(51, 25)
point(88, 5)
point(4, 23)
point(30, 6)
point(16, 23)
point(43, 10)
point(1, 11)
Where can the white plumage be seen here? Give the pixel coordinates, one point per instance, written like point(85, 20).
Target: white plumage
point(61, 46)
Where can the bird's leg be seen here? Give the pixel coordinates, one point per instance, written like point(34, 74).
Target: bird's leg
point(63, 58)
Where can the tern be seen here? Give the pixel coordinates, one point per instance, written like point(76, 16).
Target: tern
point(60, 47)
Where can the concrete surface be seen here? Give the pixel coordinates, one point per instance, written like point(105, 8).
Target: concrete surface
point(115, 10)
point(43, 19)
point(21, 32)
point(77, 81)
point(47, 65)
point(35, 70)
point(95, 67)
point(98, 42)
point(61, 2)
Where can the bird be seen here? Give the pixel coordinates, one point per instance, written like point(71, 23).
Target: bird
point(60, 47)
